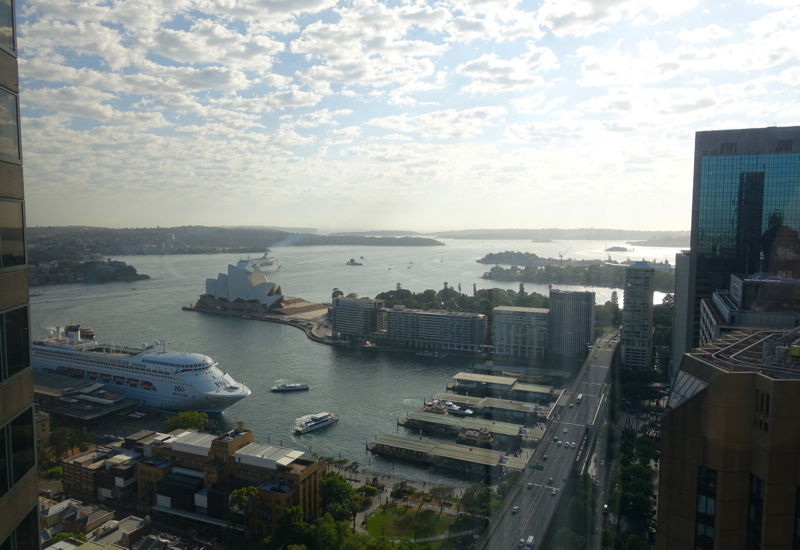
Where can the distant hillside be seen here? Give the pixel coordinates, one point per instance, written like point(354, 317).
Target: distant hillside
point(375, 233)
point(79, 243)
point(566, 234)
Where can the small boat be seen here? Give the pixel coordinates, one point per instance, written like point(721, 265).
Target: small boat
point(35, 293)
point(435, 406)
point(317, 421)
point(289, 387)
point(353, 262)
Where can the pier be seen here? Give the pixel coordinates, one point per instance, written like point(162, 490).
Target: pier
point(507, 435)
point(501, 387)
point(463, 458)
point(519, 412)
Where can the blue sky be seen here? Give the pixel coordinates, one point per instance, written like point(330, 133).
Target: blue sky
point(414, 114)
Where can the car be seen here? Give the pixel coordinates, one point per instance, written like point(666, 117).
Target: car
point(558, 443)
point(515, 509)
point(544, 457)
point(605, 508)
point(521, 543)
point(554, 493)
point(530, 485)
point(565, 430)
point(571, 405)
point(550, 481)
point(572, 445)
point(602, 463)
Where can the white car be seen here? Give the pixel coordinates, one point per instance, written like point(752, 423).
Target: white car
point(558, 443)
point(602, 463)
point(515, 509)
point(565, 430)
point(572, 445)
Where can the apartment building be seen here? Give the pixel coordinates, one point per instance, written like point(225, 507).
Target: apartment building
point(520, 332)
point(571, 323)
point(432, 329)
point(354, 316)
point(637, 316)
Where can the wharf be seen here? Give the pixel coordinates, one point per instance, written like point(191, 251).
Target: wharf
point(501, 387)
point(446, 455)
point(507, 410)
point(505, 434)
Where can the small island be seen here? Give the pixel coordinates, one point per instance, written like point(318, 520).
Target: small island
point(93, 272)
point(619, 249)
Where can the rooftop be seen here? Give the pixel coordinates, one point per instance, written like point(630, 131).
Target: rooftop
point(196, 443)
point(442, 312)
point(486, 379)
point(270, 456)
point(768, 351)
point(523, 309)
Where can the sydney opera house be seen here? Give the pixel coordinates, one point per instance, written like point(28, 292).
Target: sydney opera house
point(238, 288)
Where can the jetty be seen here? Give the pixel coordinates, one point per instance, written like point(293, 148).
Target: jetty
point(507, 435)
point(463, 458)
point(507, 410)
point(508, 387)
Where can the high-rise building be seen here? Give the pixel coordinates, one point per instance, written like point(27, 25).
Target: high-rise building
point(354, 316)
point(730, 446)
point(745, 212)
point(637, 316)
point(520, 332)
point(19, 523)
point(571, 324)
point(681, 325)
point(432, 329)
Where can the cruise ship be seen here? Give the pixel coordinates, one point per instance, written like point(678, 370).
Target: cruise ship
point(317, 421)
point(266, 263)
point(161, 379)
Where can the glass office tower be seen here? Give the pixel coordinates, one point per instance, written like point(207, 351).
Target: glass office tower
point(745, 212)
point(19, 521)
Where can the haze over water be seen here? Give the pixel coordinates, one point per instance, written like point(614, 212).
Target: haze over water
point(367, 390)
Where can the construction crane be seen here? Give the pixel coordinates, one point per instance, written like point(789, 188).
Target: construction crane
point(561, 256)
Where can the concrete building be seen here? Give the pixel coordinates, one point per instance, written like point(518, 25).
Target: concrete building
point(18, 480)
point(745, 210)
point(752, 301)
point(102, 474)
point(571, 323)
point(520, 332)
point(193, 475)
point(637, 317)
point(354, 317)
point(432, 329)
point(729, 472)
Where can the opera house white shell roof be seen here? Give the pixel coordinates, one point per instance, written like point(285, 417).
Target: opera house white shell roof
point(238, 285)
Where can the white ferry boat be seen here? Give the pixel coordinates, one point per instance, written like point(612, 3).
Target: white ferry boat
point(317, 421)
point(266, 263)
point(161, 379)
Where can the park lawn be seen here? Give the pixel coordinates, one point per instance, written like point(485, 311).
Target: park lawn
point(400, 522)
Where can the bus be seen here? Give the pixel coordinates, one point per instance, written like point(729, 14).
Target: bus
point(529, 543)
point(579, 398)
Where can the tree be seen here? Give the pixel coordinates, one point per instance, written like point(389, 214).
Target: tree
point(186, 420)
point(291, 528)
point(339, 499)
point(352, 296)
point(244, 501)
point(635, 543)
point(565, 539)
point(61, 536)
point(337, 293)
point(60, 441)
point(476, 497)
point(615, 298)
point(441, 493)
point(45, 457)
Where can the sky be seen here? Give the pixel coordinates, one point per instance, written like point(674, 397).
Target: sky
point(405, 114)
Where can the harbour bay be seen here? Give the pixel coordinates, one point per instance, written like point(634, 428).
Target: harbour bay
point(367, 390)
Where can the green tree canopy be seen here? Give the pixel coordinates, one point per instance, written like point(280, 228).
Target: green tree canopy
point(186, 420)
point(339, 499)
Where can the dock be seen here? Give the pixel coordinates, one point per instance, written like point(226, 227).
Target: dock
point(463, 458)
point(500, 387)
point(508, 410)
point(507, 435)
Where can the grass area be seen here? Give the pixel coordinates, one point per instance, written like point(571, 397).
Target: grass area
point(396, 522)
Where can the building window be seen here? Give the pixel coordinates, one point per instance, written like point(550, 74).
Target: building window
point(7, 35)
point(796, 545)
point(12, 234)
point(15, 351)
point(25, 536)
point(9, 126)
point(761, 419)
point(706, 508)
point(17, 450)
point(755, 513)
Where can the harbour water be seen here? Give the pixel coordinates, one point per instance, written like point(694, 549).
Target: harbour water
point(369, 391)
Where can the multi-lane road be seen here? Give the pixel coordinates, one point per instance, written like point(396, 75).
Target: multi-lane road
point(537, 503)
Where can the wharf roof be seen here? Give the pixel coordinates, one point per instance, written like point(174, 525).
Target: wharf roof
point(467, 453)
point(523, 370)
point(515, 463)
point(516, 309)
point(509, 405)
point(405, 443)
point(486, 378)
point(535, 388)
point(500, 428)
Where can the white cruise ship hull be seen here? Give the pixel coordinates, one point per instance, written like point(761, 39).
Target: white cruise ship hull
point(162, 380)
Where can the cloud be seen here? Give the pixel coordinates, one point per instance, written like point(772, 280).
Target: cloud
point(323, 116)
point(491, 75)
point(707, 34)
point(528, 104)
point(442, 124)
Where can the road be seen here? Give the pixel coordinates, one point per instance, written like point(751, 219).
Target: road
point(537, 504)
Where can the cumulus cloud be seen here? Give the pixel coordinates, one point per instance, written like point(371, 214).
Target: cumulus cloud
point(491, 75)
point(442, 124)
point(706, 34)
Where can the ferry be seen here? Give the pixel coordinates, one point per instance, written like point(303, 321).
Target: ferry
point(266, 263)
point(289, 387)
point(476, 438)
point(353, 262)
point(317, 421)
point(161, 379)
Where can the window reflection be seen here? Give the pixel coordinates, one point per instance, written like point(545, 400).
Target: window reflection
point(6, 25)
point(12, 236)
point(16, 340)
point(23, 450)
point(4, 473)
point(9, 134)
